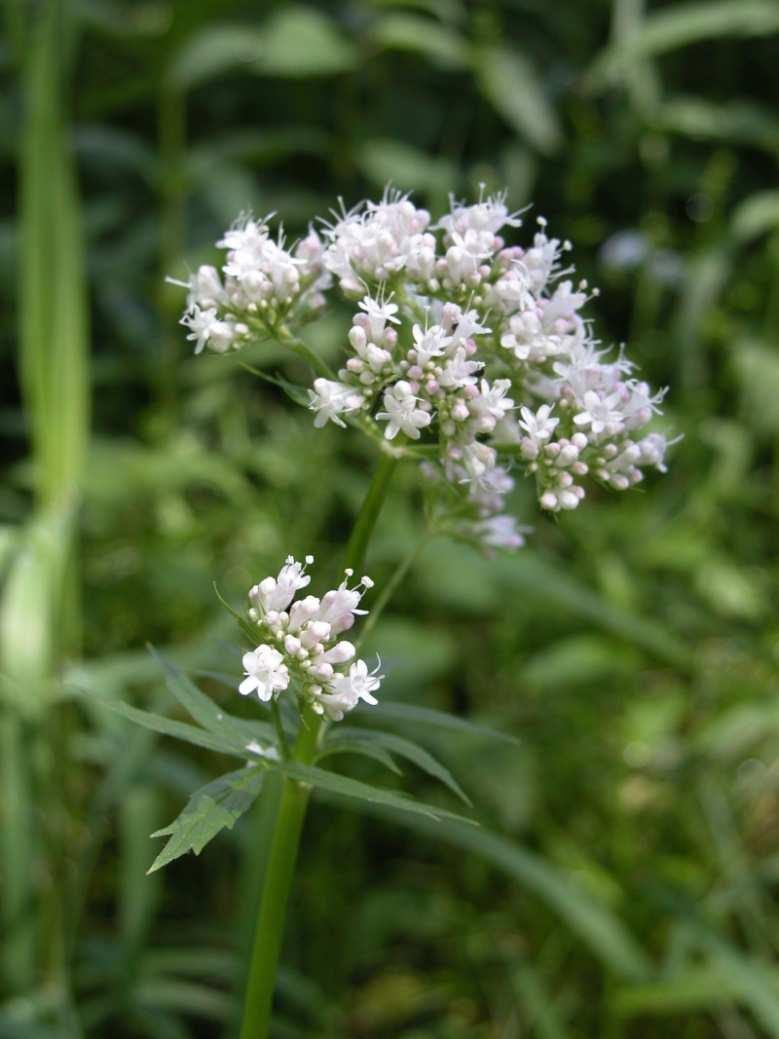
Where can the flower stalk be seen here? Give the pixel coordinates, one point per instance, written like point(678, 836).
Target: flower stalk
point(280, 867)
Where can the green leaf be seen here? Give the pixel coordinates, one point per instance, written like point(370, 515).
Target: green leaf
point(338, 744)
point(603, 932)
point(679, 25)
point(736, 121)
point(343, 786)
point(755, 984)
point(544, 1014)
point(294, 42)
point(403, 748)
point(297, 394)
point(756, 215)
point(420, 35)
point(700, 988)
point(511, 85)
point(179, 730)
point(201, 707)
point(302, 41)
point(384, 159)
point(214, 807)
point(543, 579)
point(423, 717)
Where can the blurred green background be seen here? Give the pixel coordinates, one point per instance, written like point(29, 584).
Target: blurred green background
point(624, 880)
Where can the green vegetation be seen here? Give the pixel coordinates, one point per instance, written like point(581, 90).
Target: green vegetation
point(623, 881)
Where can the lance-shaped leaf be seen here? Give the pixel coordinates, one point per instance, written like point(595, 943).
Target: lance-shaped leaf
point(222, 744)
point(346, 738)
point(343, 786)
point(203, 709)
point(214, 807)
point(427, 717)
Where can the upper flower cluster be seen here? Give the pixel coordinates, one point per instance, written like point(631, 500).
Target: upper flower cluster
point(302, 644)
point(474, 349)
point(260, 283)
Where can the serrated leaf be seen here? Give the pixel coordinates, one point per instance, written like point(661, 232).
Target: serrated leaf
point(511, 85)
point(216, 806)
point(343, 786)
point(179, 730)
point(429, 717)
point(403, 748)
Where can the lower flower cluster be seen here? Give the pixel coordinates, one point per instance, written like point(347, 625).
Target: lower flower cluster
point(301, 643)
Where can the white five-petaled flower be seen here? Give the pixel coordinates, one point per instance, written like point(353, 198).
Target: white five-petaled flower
point(402, 413)
point(266, 673)
point(276, 593)
point(379, 313)
point(331, 399)
point(429, 343)
point(601, 413)
point(348, 689)
point(539, 425)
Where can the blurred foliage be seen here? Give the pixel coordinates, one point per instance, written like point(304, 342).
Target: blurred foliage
point(624, 882)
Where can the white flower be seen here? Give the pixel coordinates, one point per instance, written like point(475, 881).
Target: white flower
point(205, 288)
point(500, 532)
point(528, 339)
point(464, 258)
point(339, 606)
point(652, 450)
point(375, 240)
point(276, 593)
point(266, 673)
point(379, 313)
point(346, 690)
point(512, 291)
point(491, 404)
point(478, 459)
point(402, 414)
point(542, 259)
point(467, 325)
point(539, 425)
point(459, 371)
point(601, 413)
point(490, 214)
point(331, 399)
point(429, 343)
point(206, 329)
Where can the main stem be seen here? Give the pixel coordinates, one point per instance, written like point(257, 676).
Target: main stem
point(269, 929)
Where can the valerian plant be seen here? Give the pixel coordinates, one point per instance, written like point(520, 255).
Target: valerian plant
point(466, 355)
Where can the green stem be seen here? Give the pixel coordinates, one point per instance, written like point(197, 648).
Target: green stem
point(280, 867)
point(369, 513)
point(304, 351)
point(389, 590)
point(275, 892)
point(281, 736)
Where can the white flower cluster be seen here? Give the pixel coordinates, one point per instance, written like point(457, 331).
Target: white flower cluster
point(474, 350)
point(481, 350)
point(260, 283)
point(301, 643)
